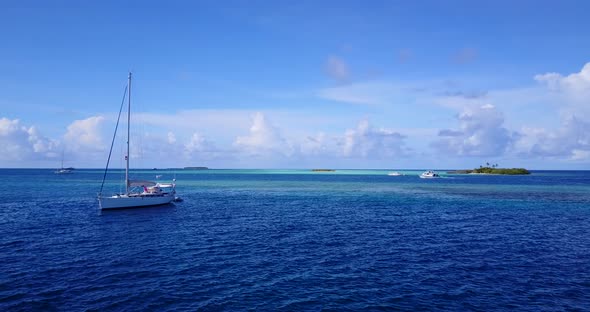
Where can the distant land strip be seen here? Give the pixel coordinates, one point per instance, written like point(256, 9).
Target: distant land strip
point(490, 170)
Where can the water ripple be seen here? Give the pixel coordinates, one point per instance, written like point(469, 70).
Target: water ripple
point(291, 242)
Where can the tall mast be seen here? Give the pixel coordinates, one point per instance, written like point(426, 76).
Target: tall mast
point(128, 131)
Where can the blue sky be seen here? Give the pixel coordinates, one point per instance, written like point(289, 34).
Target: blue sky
point(298, 84)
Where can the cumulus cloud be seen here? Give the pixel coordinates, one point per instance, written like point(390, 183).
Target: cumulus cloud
point(84, 135)
point(171, 138)
point(264, 139)
point(363, 142)
point(162, 149)
point(482, 130)
point(580, 155)
point(572, 141)
point(574, 83)
point(571, 93)
point(19, 142)
point(560, 99)
point(315, 145)
point(337, 69)
point(481, 133)
point(367, 142)
point(199, 147)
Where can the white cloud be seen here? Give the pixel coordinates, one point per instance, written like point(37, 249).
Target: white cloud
point(575, 83)
point(316, 145)
point(582, 155)
point(84, 135)
point(199, 147)
point(161, 150)
point(571, 93)
point(18, 142)
point(171, 138)
point(553, 114)
point(529, 136)
point(363, 142)
point(481, 133)
point(547, 120)
point(572, 140)
point(264, 139)
point(368, 142)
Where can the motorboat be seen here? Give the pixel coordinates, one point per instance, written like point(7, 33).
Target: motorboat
point(429, 175)
point(395, 174)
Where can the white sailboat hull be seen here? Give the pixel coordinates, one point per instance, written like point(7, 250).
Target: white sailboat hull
point(125, 201)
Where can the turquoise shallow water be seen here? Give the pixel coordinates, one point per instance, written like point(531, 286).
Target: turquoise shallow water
point(298, 240)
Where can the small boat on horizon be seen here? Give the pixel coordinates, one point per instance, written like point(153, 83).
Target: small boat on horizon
point(429, 175)
point(395, 174)
point(63, 170)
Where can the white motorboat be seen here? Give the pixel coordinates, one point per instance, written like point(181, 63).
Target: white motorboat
point(395, 174)
point(429, 175)
point(138, 193)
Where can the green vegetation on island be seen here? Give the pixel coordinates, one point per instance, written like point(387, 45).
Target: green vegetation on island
point(492, 169)
point(489, 170)
point(323, 170)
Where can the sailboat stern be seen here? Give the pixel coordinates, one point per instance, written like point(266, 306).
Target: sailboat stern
point(131, 201)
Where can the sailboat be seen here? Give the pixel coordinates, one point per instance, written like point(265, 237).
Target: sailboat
point(63, 170)
point(138, 193)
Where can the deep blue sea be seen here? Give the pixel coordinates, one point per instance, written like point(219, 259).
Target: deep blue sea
point(296, 240)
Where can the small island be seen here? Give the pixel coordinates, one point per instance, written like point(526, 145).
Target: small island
point(323, 170)
point(492, 169)
point(196, 168)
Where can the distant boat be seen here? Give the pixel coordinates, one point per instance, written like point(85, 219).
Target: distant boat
point(429, 175)
point(63, 170)
point(395, 174)
point(138, 193)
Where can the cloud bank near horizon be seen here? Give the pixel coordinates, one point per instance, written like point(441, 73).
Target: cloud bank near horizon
point(478, 127)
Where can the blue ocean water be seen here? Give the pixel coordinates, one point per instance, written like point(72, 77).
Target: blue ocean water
point(298, 240)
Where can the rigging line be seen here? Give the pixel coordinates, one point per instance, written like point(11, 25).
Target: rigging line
point(113, 141)
point(121, 165)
